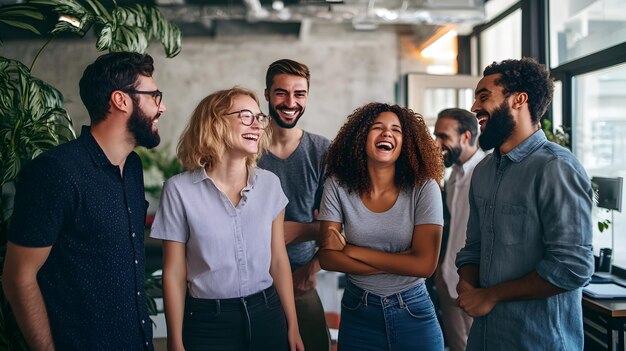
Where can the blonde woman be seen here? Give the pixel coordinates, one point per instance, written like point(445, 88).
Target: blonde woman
point(226, 276)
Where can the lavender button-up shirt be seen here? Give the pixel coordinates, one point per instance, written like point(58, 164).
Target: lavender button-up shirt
point(228, 247)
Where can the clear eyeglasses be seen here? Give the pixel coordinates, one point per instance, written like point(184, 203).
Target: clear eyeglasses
point(247, 118)
point(157, 95)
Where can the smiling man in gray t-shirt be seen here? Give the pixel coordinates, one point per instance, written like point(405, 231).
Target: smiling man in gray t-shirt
point(296, 156)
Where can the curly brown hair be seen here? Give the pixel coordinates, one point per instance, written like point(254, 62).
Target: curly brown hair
point(420, 159)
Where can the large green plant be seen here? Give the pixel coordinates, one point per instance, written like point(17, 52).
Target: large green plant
point(32, 118)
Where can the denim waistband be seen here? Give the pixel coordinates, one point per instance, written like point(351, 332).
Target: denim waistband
point(251, 300)
point(400, 298)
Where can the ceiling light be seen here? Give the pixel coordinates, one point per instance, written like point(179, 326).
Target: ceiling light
point(442, 45)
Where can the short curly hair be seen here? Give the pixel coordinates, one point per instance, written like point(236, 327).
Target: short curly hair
point(420, 159)
point(528, 76)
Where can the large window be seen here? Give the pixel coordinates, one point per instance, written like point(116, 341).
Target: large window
point(502, 40)
point(582, 27)
point(599, 141)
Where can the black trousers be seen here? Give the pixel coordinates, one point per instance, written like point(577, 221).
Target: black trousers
point(255, 322)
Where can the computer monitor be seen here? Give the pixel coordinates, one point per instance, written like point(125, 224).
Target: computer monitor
point(609, 192)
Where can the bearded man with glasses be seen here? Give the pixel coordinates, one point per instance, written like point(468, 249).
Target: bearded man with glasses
point(75, 264)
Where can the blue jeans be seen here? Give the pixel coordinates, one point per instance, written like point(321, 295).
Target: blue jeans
point(402, 321)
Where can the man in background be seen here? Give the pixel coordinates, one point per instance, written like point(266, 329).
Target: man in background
point(456, 132)
point(75, 268)
point(528, 251)
point(296, 156)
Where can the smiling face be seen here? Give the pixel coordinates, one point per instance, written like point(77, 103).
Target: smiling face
point(287, 99)
point(244, 139)
point(449, 140)
point(493, 112)
point(142, 123)
point(384, 139)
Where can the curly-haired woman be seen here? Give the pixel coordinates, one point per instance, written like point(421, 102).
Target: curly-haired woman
point(381, 190)
point(226, 276)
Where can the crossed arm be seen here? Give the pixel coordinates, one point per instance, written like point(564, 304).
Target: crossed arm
point(420, 260)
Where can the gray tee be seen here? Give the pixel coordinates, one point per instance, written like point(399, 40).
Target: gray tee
point(389, 231)
point(301, 177)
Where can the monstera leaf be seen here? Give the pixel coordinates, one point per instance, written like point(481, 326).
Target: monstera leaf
point(118, 28)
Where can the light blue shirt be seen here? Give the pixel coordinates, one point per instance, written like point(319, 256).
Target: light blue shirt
point(228, 248)
point(530, 210)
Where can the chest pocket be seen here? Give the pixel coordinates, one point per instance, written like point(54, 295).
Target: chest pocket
point(511, 228)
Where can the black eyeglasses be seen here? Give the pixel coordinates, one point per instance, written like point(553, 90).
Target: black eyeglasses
point(247, 117)
point(157, 95)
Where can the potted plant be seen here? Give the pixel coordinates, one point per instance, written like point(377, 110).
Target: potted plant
point(32, 118)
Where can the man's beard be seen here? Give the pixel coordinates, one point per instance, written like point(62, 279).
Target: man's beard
point(279, 121)
point(140, 127)
point(500, 126)
point(452, 155)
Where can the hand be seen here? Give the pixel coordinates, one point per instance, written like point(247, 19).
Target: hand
point(476, 302)
point(333, 240)
point(305, 278)
point(295, 340)
point(463, 286)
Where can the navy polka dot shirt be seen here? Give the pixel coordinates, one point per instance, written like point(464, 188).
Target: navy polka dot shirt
point(73, 199)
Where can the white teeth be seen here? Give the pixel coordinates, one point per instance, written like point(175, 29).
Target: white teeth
point(251, 137)
point(288, 112)
point(384, 145)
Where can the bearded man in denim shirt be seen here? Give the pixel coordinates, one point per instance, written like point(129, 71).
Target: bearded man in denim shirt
point(528, 250)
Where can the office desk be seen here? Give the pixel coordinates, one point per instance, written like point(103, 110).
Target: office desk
point(610, 315)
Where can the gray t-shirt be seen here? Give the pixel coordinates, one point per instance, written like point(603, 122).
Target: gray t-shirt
point(389, 231)
point(301, 177)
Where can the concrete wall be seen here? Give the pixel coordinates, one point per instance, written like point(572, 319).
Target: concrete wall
point(348, 69)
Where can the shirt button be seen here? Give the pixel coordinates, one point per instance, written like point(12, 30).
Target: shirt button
point(146, 343)
point(136, 262)
point(138, 293)
point(143, 321)
point(129, 211)
point(133, 235)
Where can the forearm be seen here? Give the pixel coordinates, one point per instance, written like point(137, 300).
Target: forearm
point(30, 312)
point(469, 274)
point(529, 287)
point(296, 232)
point(281, 274)
point(406, 264)
point(333, 260)
point(174, 291)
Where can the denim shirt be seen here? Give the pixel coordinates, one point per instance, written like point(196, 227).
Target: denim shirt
point(530, 210)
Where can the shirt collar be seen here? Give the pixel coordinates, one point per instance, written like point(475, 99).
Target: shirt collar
point(470, 163)
point(93, 148)
point(525, 148)
point(200, 175)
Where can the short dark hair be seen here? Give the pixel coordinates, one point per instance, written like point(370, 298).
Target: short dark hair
point(110, 72)
point(420, 158)
point(466, 121)
point(286, 66)
point(528, 76)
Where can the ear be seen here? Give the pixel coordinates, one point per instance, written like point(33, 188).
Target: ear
point(467, 136)
point(519, 99)
point(267, 95)
point(120, 101)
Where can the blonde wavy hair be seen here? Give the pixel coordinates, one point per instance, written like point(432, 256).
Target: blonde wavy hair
point(207, 134)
